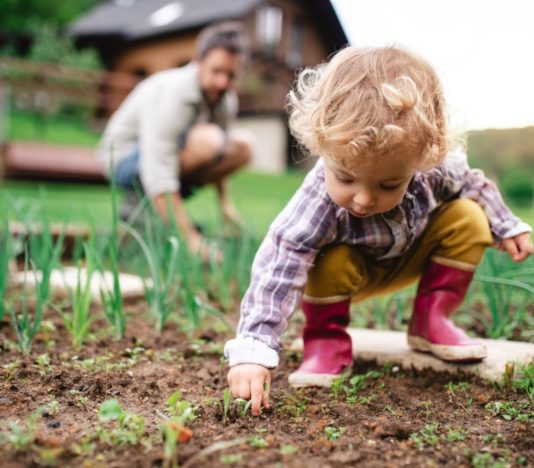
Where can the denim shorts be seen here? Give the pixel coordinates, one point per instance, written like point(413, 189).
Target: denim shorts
point(126, 171)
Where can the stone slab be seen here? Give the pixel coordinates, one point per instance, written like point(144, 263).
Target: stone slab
point(65, 279)
point(384, 346)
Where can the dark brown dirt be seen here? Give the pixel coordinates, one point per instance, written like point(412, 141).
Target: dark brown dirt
point(397, 419)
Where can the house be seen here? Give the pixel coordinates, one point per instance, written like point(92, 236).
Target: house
point(142, 37)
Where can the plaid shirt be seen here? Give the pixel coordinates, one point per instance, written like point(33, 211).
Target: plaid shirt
point(312, 220)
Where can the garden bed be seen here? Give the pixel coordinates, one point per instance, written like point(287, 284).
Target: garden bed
point(52, 414)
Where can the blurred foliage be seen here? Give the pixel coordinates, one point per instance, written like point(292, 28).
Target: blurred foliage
point(49, 46)
point(518, 185)
point(496, 150)
point(18, 16)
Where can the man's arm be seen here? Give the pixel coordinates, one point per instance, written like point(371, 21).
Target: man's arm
point(172, 202)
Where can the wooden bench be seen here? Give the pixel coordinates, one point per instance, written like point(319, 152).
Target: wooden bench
point(51, 163)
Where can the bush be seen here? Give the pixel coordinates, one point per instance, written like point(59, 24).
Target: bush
point(517, 185)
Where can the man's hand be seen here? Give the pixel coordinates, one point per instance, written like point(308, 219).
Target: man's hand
point(251, 381)
point(231, 215)
point(197, 245)
point(518, 247)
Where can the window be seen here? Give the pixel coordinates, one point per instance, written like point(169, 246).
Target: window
point(296, 43)
point(269, 28)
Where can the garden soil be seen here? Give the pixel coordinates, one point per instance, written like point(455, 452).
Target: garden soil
point(397, 418)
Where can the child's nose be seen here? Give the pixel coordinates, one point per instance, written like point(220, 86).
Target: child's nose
point(363, 198)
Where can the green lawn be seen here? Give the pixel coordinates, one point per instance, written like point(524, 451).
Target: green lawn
point(259, 197)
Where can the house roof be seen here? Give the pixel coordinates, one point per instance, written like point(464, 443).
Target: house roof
point(131, 20)
point(139, 19)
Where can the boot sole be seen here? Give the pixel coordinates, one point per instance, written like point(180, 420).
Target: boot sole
point(451, 353)
point(301, 379)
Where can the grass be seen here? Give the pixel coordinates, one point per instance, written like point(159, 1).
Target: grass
point(259, 198)
point(57, 130)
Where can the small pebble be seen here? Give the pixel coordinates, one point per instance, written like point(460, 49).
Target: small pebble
point(53, 424)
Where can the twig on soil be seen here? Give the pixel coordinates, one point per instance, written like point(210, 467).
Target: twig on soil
point(223, 444)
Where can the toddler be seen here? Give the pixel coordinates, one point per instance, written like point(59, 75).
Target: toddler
point(389, 202)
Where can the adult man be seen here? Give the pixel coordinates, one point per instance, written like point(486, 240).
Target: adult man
point(170, 132)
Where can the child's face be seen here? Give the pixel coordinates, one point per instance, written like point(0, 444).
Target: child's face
point(371, 189)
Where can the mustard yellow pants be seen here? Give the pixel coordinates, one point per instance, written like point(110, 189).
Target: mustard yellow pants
point(456, 235)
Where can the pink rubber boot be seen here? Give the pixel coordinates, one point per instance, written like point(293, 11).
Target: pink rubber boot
point(441, 291)
point(327, 346)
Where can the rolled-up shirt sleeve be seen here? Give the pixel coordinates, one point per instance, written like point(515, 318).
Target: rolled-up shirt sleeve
point(279, 272)
point(454, 178)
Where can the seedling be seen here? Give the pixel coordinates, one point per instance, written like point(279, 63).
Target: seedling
point(334, 433)
point(426, 436)
point(456, 435)
point(131, 427)
point(288, 450)
point(295, 405)
point(242, 406)
point(181, 411)
point(20, 437)
point(257, 441)
point(227, 396)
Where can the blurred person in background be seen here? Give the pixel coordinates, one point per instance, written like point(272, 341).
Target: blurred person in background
point(170, 135)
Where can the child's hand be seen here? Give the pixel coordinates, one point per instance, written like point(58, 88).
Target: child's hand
point(251, 381)
point(518, 247)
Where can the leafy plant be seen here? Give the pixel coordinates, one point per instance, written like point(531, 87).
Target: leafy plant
point(112, 300)
point(426, 436)
point(78, 320)
point(26, 324)
point(227, 396)
point(130, 429)
point(4, 265)
point(333, 433)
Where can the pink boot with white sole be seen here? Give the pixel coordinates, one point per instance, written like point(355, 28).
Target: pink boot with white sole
point(327, 346)
point(441, 291)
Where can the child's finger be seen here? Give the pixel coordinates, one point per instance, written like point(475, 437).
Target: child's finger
point(257, 395)
point(525, 246)
point(244, 389)
point(510, 247)
point(266, 389)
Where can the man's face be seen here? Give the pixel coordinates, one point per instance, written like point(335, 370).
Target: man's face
point(218, 71)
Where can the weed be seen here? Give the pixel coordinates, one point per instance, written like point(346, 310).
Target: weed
point(294, 405)
point(21, 437)
point(181, 411)
point(227, 396)
point(231, 458)
point(257, 441)
point(25, 324)
point(77, 322)
point(4, 264)
point(130, 430)
point(243, 406)
point(43, 363)
point(333, 432)
point(112, 300)
point(288, 449)
point(426, 436)
point(509, 412)
point(427, 408)
point(525, 380)
point(456, 435)
point(356, 384)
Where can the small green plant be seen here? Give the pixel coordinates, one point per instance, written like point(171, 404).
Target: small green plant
point(509, 412)
point(21, 436)
point(426, 436)
point(112, 299)
point(243, 406)
point(227, 397)
point(130, 429)
point(525, 380)
point(288, 450)
point(456, 435)
point(333, 432)
point(427, 408)
point(294, 405)
point(257, 441)
point(4, 265)
point(25, 323)
point(181, 411)
point(231, 458)
point(356, 384)
point(78, 320)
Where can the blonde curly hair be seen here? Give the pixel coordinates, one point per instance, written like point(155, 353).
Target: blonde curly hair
point(367, 103)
